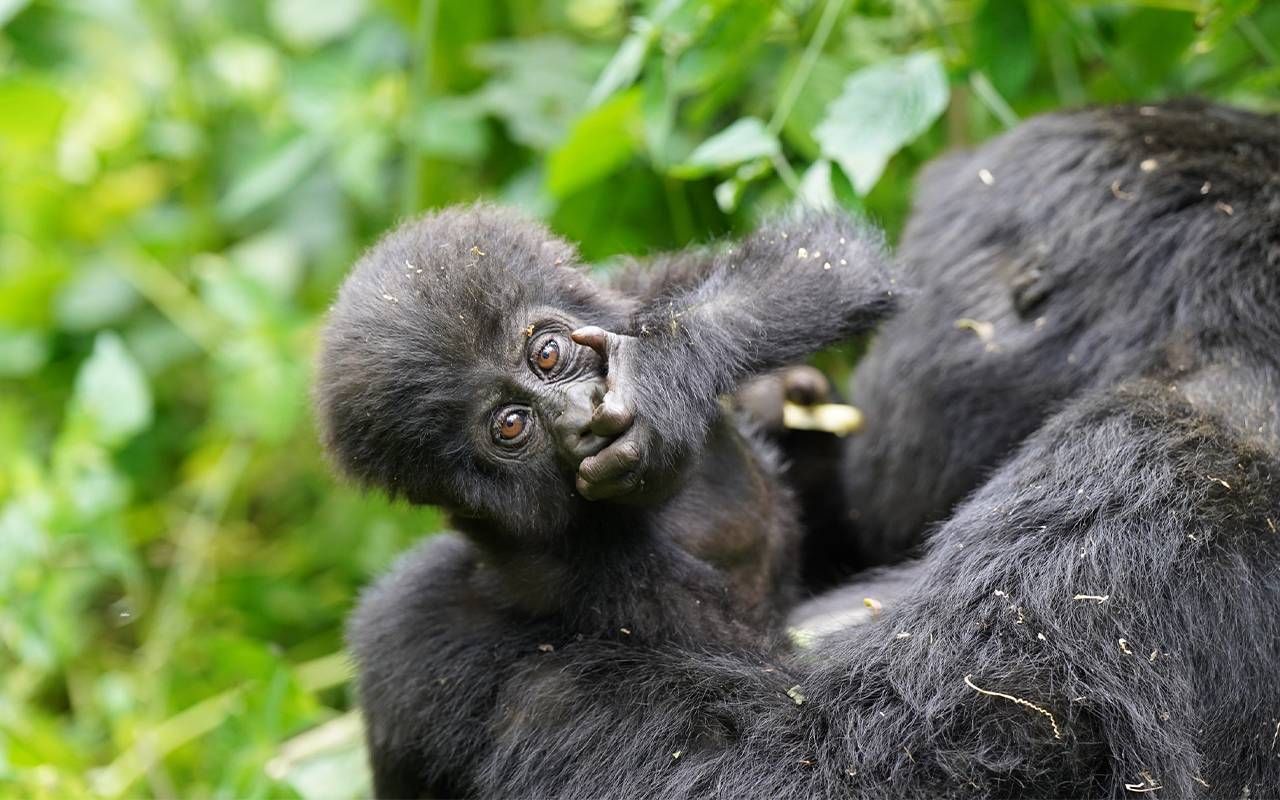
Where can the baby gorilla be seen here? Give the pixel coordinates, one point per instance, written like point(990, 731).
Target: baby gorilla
point(573, 431)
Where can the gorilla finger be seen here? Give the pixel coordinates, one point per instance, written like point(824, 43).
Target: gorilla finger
point(595, 337)
point(585, 488)
point(606, 489)
point(610, 463)
point(611, 417)
point(805, 385)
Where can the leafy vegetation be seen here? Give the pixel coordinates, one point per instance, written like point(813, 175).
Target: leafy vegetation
point(183, 184)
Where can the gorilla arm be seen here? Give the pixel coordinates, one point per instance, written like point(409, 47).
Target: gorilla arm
point(714, 318)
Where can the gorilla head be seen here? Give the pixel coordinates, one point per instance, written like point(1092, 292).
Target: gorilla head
point(448, 374)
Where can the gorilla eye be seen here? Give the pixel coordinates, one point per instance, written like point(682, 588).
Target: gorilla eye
point(548, 355)
point(510, 424)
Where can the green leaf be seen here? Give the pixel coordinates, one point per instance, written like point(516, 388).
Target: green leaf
point(1004, 45)
point(111, 392)
point(307, 24)
point(745, 140)
point(600, 143)
point(623, 69)
point(881, 109)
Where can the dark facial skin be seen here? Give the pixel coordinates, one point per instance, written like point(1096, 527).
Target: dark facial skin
point(558, 385)
point(580, 407)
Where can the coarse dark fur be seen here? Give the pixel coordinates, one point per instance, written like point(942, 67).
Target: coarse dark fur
point(1071, 469)
point(679, 529)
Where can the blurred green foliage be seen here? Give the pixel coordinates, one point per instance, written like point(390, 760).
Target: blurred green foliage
point(183, 184)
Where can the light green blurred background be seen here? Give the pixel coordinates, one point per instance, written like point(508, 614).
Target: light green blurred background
point(183, 184)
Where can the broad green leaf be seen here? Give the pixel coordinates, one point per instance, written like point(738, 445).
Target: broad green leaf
point(601, 143)
point(623, 69)
point(1004, 45)
point(882, 108)
point(111, 391)
point(745, 140)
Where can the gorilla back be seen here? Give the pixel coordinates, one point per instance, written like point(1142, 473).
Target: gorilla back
point(1087, 248)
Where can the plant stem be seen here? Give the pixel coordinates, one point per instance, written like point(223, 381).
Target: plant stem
point(1250, 33)
point(990, 97)
point(788, 175)
point(419, 86)
point(830, 13)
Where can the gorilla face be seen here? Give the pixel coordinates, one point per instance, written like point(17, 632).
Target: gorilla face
point(528, 425)
point(545, 403)
point(448, 373)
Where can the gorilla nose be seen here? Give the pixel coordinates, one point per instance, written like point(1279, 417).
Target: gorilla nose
point(572, 428)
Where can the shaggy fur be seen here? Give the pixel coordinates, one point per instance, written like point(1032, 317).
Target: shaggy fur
point(1071, 470)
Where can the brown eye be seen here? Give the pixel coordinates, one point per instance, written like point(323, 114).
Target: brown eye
point(548, 356)
point(510, 424)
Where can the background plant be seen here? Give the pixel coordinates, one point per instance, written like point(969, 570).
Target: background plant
point(183, 184)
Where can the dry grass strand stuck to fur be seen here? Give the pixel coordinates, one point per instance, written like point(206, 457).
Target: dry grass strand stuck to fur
point(1057, 734)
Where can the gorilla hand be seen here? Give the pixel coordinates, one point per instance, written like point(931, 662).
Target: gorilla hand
point(635, 467)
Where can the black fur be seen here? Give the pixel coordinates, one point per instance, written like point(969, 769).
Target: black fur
point(1095, 457)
